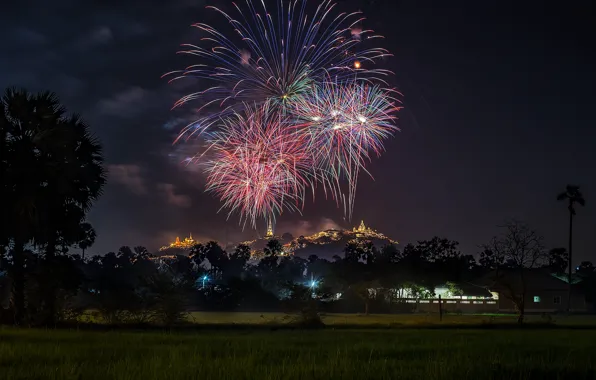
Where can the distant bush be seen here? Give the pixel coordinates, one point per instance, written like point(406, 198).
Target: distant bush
point(547, 318)
point(308, 318)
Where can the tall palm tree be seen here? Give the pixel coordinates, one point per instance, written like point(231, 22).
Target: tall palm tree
point(571, 195)
point(54, 172)
point(27, 120)
point(75, 181)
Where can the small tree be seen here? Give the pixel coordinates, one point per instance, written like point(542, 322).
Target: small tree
point(366, 290)
point(87, 237)
point(273, 248)
point(454, 289)
point(518, 249)
point(558, 260)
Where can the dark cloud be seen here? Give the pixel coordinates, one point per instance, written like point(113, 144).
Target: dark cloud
point(129, 176)
point(127, 103)
point(101, 35)
point(172, 197)
point(29, 36)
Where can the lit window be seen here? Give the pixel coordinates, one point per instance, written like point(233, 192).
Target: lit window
point(536, 299)
point(557, 300)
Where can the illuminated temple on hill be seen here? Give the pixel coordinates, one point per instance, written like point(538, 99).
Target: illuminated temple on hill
point(331, 240)
point(187, 243)
point(360, 232)
point(338, 238)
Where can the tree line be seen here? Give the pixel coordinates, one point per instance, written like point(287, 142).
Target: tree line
point(133, 286)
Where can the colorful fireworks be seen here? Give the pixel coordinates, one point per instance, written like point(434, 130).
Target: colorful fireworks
point(261, 164)
point(288, 100)
point(346, 123)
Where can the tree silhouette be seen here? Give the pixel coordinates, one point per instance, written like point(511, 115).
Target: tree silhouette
point(141, 253)
point(571, 195)
point(5, 186)
point(87, 238)
point(512, 255)
point(237, 261)
point(558, 260)
point(54, 170)
point(273, 248)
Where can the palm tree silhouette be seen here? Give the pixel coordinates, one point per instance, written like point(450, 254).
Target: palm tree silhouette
point(572, 195)
point(87, 237)
point(54, 170)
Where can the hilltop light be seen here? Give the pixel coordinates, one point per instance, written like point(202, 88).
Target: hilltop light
point(187, 243)
point(359, 233)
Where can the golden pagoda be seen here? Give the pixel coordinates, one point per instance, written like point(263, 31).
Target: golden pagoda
point(269, 233)
point(362, 230)
point(187, 243)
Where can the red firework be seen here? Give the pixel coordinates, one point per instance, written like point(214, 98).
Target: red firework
point(261, 164)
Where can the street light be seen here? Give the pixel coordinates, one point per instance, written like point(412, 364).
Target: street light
point(205, 278)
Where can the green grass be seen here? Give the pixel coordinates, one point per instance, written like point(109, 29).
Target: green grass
point(283, 354)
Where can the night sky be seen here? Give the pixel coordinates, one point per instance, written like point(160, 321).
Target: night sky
point(499, 116)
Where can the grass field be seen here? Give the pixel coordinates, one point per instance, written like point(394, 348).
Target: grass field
point(373, 320)
point(388, 320)
point(283, 354)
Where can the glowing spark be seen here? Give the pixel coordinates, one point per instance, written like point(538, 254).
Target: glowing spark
point(244, 57)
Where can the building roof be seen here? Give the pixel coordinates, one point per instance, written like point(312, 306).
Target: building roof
point(535, 279)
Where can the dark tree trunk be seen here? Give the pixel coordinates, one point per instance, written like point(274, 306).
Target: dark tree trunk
point(2, 254)
point(83, 255)
point(19, 282)
point(366, 303)
point(50, 286)
point(570, 257)
point(51, 248)
point(520, 317)
point(521, 310)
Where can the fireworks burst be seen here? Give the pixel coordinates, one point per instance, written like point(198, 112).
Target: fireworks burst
point(346, 123)
point(261, 164)
point(274, 120)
